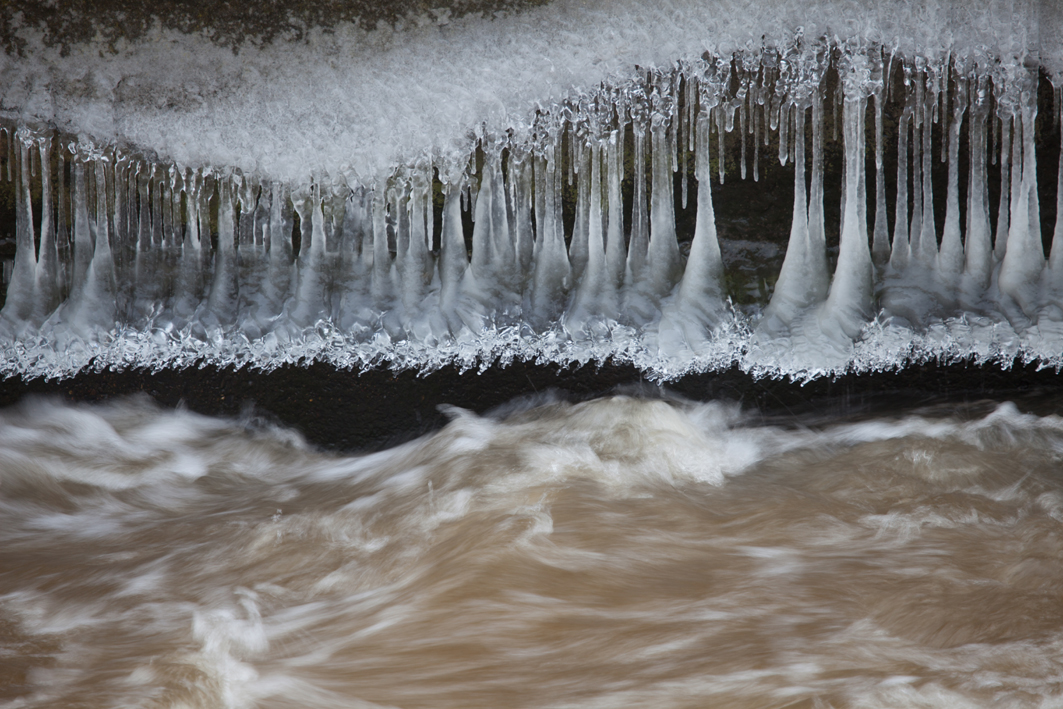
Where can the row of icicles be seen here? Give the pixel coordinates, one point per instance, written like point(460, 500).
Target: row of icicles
point(123, 242)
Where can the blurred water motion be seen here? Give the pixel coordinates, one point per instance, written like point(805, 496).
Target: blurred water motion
point(617, 552)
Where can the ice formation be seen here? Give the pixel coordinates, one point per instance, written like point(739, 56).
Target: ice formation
point(203, 221)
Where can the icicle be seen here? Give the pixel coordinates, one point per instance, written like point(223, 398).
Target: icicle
point(204, 194)
point(144, 175)
point(849, 300)
point(62, 221)
point(994, 123)
point(915, 229)
point(573, 161)
point(520, 192)
point(594, 295)
point(719, 111)
point(640, 226)
point(837, 107)
point(504, 250)
point(683, 185)
point(794, 290)
point(741, 140)
point(224, 289)
point(663, 254)
point(978, 245)
point(94, 311)
point(614, 243)
point(310, 302)
point(10, 155)
point(157, 225)
point(757, 117)
point(700, 305)
point(900, 252)
point(82, 230)
point(166, 208)
point(1055, 260)
point(818, 278)
point(193, 239)
point(577, 249)
point(928, 246)
point(132, 218)
point(880, 249)
point(1003, 209)
point(692, 112)
point(1024, 261)
point(1016, 169)
point(18, 308)
point(46, 296)
point(121, 181)
point(453, 257)
point(417, 272)
point(552, 271)
point(950, 259)
point(280, 249)
point(784, 133)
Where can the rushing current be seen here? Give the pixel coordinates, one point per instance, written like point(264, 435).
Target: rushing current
point(460, 191)
point(619, 552)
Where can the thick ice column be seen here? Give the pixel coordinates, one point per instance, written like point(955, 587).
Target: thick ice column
point(1024, 261)
point(638, 243)
point(700, 297)
point(310, 301)
point(578, 254)
point(280, 249)
point(794, 291)
point(662, 267)
point(82, 230)
point(978, 247)
point(615, 249)
point(1055, 259)
point(1000, 244)
point(493, 255)
point(503, 246)
point(147, 259)
point(483, 242)
point(901, 250)
point(92, 315)
point(519, 190)
point(927, 249)
point(189, 288)
point(849, 300)
point(453, 256)
point(224, 288)
point(19, 306)
point(416, 261)
point(817, 275)
point(46, 295)
point(595, 297)
point(950, 258)
point(880, 248)
point(552, 274)
point(381, 283)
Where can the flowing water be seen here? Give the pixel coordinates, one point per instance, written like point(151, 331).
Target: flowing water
point(619, 552)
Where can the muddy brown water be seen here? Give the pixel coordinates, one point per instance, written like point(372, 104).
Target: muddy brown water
point(617, 552)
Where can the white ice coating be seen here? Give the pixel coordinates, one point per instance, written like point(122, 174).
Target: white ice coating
point(167, 239)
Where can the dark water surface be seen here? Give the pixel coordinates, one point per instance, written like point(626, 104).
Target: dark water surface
point(617, 552)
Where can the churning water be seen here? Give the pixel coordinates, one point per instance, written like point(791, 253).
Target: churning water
point(615, 553)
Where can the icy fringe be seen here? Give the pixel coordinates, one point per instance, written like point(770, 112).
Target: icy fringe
point(137, 263)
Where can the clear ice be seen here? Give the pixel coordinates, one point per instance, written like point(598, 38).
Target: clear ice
point(138, 250)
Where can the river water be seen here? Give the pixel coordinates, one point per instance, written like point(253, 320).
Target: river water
point(619, 552)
